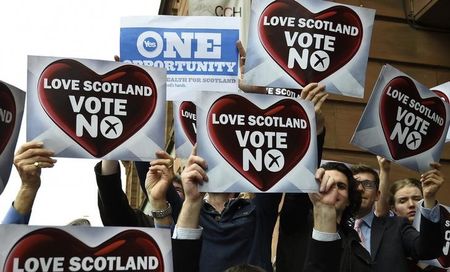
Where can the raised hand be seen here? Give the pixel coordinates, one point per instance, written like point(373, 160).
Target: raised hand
point(193, 175)
point(159, 178)
point(432, 181)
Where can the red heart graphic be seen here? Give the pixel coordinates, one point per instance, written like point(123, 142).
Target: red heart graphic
point(389, 107)
point(187, 116)
point(7, 115)
point(50, 242)
point(444, 260)
point(227, 144)
point(275, 43)
point(56, 103)
point(442, 95)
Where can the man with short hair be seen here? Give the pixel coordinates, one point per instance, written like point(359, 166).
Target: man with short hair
point(297, 251)
point(389, 241)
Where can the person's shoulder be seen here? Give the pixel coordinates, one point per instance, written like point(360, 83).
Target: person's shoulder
point(391, 220)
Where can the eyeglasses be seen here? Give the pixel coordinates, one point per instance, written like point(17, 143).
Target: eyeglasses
point(366, 184)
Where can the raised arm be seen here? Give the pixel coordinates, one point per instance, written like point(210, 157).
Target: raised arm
point(432, 181)
point(186, 238)
point(113, 204)
point(428, 243)
point(29, 161)
point(324, 250)
point(159, 179)
point(382, 206)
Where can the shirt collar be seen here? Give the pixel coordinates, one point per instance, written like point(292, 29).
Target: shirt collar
point(368, 218)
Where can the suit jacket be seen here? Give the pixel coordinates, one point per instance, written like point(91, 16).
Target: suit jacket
point(186, 255)
point(323, 256)
point(393, 240)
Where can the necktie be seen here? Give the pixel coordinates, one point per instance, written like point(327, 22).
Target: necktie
point(358, 223)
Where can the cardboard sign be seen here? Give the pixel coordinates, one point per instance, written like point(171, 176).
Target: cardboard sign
point(294, 93)
point(443, 261)
point(443, 91)
point(12, 101)
point(96, 109)
point(224, 8)
point(257, 143)
point(185, 127)
point(403, 121)
point(199, 53)
point(58, 249)
point(293, 43)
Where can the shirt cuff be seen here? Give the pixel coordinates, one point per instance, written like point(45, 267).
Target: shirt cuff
point(433, 214)
point(187, 233)
point(14, 217)
point(325, 236)
point(161, 226)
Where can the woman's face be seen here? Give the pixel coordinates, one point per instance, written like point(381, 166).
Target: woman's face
point(406, 201)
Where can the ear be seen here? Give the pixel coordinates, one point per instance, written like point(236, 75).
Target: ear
point(378, 195)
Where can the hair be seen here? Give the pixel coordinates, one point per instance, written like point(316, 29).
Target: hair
point(245, 268)
point(354, 196)
point(364, 168)
point(80, 222)
point(402, 183)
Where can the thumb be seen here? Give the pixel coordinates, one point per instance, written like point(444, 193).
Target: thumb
point(194, 150)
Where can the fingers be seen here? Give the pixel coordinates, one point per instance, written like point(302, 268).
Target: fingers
point(163, 158)
point(251, 88)
point(321, 97)
point(436, 165)
point(29, 160)
point(29, 145)
point(195, 174)
point(194, 159)
point(315, 91)
point(432, 176)
point(319, 174)
point(194, 150)
point(432, 180)
point(242, 56)
point(158, 169)
point(310, 90)
point(320, 178)
point(161, 154)
point(31, 153)
point(326, 182)
point(241, 49)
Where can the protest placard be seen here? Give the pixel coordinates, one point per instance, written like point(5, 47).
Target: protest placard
point(185, 127)
point(96, 109)
point(443, 91)
point(257, 143)
point(293, 43)
point(12, 102)
point(403, 121)
point(199, 52)
point(58, 249)
point(443, 261)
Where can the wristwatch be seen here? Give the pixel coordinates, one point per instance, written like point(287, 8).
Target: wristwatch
point(159, 214)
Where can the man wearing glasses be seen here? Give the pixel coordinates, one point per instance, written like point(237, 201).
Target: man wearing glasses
point(388, 241)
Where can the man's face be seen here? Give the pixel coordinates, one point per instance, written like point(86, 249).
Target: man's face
point(342, 186)
point(369, 191)
point(406, 201)
point(179, 189)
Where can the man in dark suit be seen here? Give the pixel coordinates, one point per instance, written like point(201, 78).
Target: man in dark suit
point(381, 243)
point(387, 241)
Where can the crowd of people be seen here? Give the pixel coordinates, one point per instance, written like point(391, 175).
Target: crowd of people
point(359, 220)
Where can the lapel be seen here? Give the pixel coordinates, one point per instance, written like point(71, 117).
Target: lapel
point(354, 246)
point(376, 235)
